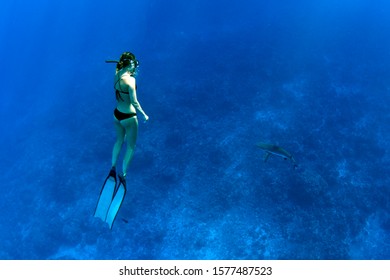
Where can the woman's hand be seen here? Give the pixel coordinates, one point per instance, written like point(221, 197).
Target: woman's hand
point(146, 118)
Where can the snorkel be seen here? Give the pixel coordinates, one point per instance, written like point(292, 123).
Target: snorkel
point(112, 61)
point(127, 60)
point(133, 71)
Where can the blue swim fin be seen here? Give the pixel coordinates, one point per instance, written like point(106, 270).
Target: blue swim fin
point(116, 202)
point(110, 199)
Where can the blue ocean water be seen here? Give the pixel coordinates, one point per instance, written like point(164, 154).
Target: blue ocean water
point(216, 77)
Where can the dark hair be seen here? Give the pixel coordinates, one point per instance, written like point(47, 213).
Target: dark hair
point(125, 60)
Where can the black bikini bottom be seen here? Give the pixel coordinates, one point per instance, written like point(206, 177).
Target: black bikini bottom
point(122, 116)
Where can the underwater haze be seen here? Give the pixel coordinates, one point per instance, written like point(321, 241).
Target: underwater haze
point(216, 78)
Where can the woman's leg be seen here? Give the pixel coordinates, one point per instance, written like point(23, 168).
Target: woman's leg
point(131, 129)
point(120, 136)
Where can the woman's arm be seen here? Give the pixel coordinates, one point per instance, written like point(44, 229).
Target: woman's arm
point(133, 97)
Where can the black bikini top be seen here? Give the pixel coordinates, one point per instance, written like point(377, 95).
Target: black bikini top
point(117, 91)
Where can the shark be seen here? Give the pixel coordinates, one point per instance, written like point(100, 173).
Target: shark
point(271, 149)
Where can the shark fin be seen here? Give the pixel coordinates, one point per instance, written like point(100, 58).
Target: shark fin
point(266, 156)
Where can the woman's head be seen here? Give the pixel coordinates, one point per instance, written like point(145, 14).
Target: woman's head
point(127, 59)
